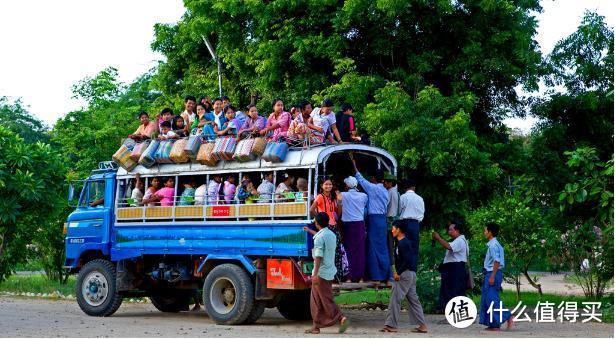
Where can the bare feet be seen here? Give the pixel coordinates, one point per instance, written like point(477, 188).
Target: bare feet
point(509, 323)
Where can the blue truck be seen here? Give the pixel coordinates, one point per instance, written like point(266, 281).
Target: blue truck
point(236, 257)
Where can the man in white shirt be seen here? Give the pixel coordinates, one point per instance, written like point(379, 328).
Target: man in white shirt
point(411, 212)
point(453, 269)
point(199, 195)
point(188, 114)
point(324, 118)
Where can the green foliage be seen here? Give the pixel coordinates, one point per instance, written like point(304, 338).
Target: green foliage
point(588, 203)
point(15, 117)
point(301, 49)
point(525, 231)
point(31, 178)
point(433, 141)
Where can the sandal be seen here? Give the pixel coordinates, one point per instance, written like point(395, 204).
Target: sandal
point(418, 330)
point(388, 329)
point(312, 331)
point(343, 325)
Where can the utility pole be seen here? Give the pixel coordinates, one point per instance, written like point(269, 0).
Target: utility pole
point(212, 52)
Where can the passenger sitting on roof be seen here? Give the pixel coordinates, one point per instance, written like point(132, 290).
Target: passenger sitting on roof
point(217, 120)
point(278, 122)
point(178, 126)
point(165, 115)
point(322, 120)
point(253, 124)
point(229, 127)
point(266, 189)
point(201, 119)
point(345, 123)
point(298, 127)
point(166, 132)
point(146, 129)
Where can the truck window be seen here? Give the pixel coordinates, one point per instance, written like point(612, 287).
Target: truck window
point(94, 194)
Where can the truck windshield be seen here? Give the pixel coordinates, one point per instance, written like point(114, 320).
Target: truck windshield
point(93, 195)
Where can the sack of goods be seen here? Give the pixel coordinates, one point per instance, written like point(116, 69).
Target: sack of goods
point(122, 158)
point(177, 152)
point(129, 143)
point(163, 154)
point(193, 145)
point(259, 146)
point(224, 148)
point(275, 151)
point(138, 150)
point(243, 152)
point(148, 158)
point(205, 155)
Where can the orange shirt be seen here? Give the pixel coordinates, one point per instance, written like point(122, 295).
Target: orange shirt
point(147, 130)
point(325, 204)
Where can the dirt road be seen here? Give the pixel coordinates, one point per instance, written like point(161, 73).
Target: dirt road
point(26, 317)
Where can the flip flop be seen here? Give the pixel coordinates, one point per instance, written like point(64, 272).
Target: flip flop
point(311, 331)
point(343, 325)
point(388, 329)
point(418, 330)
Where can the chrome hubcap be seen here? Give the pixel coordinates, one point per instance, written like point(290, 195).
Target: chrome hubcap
point(95, 288)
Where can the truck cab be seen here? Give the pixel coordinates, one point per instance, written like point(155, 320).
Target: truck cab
point(89, 225)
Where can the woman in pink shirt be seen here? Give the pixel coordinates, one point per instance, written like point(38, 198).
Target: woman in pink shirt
point(166, 195)
point(278, 121)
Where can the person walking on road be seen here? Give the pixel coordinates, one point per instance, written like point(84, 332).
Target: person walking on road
point(404, 285)
point(325, 312)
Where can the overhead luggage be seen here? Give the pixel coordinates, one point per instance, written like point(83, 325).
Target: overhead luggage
point(163, 154)
point(193, 145)
point(275, 151)
point(243, 151)
point(224, 148)
point(259, 146)
point(138, 149)
point(148, 158)
point(205, 154)
point(122, 158)
point(177, 152)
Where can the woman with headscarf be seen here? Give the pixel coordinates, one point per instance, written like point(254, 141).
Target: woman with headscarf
point(353, 213)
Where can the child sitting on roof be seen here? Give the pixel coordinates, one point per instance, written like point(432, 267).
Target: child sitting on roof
point(166, 132)
point(229, 127)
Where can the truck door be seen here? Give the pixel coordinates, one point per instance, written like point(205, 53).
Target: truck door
point(89, 224)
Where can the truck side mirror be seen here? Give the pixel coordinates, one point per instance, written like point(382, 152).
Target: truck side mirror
point(71, 192)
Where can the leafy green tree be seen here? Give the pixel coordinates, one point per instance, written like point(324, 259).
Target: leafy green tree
point(31, 178)
point(525, 232)
point(432, 139)
point(298, 49)
point(587, 202)
point(15, 117)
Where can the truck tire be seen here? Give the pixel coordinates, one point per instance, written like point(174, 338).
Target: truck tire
point(96, 290)
point(295, 305)
point(228, 294)
point(257, 311)
point(171, 301)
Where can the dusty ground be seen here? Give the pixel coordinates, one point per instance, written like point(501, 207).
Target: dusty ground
point(21, 317)
point(551, 284)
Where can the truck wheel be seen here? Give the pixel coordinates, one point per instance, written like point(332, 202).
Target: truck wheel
point(257, 311)
point(228, 294)
point(295, 305)
point(96, 291)
point(171, 301)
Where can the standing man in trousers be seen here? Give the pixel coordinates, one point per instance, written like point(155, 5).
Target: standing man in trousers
point(404, 285)
point(412, 210)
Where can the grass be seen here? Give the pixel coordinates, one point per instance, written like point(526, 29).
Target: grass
point(37, 284)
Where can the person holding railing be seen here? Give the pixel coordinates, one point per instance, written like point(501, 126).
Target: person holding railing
point(149, 198)
point(213, 189)
point(187, 197)
point(254, 123)
point(166, 195)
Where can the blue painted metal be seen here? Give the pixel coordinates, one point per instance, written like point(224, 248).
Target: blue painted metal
point(247, 264)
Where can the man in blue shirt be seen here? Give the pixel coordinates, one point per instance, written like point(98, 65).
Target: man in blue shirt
point(491, 314)
point(378, 263)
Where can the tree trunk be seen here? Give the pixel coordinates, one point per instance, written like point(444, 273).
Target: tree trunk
point(534, 284)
